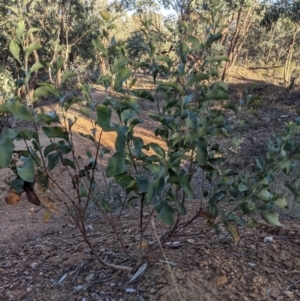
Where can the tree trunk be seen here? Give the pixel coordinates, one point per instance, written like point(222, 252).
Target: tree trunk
point(287, 64)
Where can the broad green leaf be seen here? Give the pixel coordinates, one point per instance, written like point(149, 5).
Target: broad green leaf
point(122, 76)
point(234, 231)
point(14, 48)
point(103, 118)
point(68, 162)
point(271, 218)
point(165, 212)
point(158, 149)
point(184, 50)
point(196, 78)
point(253, 223)
point(13, 9)
point(99, 46)
point(48, 117)
point(55, 132)
point(125, 181)
point(19, 110)
point(20, 28)
point(265, 195)
point(90, 137)
point(231, 107)
point(36, 66)
point(142, 184)
point(201, 154)
point(60, 62)
point(31, 48)
point(132, 83)
point(31, 31)
point(26, 171)
point(119, 64)
point(67, 75)
point(216, 94)
point(181, 209)
point(248, 207)
point(120, 142)
point(85, 111)
point(260, 163)
point(105, 15)
point(195, 43)
point(6, 149)
point(281, 202)
point(242, 187)
point(213, 39)
point(143, 94)
point(173, 85)
point(294, 190)
point(116, 165)
point(82, 191)
point(45, 90)
point(53, 160)
point(17, 184)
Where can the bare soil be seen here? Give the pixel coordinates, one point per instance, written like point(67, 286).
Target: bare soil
point(49, 260)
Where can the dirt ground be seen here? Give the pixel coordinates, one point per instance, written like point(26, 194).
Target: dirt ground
point(49, 261)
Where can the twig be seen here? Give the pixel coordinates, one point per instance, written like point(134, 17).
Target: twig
point(298, 281)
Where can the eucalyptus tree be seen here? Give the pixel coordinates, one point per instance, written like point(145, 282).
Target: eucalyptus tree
point(289, 12)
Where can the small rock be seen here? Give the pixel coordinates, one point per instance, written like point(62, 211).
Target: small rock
point(90, 228)
point(252, 264)
point(268, 239)
point(79, 287)
point(191, 241)
point(89, 277)
point(112, 284)
point(219, 280)
point(28, 289)
point(83, 299)
point(34, 265)
point(289, 294)
point(153, 290)
point(130, 290)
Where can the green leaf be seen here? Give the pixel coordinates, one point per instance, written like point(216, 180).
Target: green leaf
point(36, 66)
point(184, 50)
point(165, 212)
point(13, 9)
point(173, 85)
point(14, 48)
point(90, 137)
point(132, 83)
point(116, 165)
point(26, 171)
point(17, 184)
point(55, 132)
point(265, 195)
point(48, 117)
point(196, 78)
point(122, 76)
point(231, 107)
point(234, 231)
point(143, 185)
point(158, 149)
point(103, 118)
point(105, 15)
point(31, 31)
point(85, 111)
point(213, 39)
point(99, 46)
point(82, 191)
point(20, 28)
point(242, 187)
point(53, 160)
point(216, 94)
point(281, 202)
point(181, 209)
point(6, 149)
point(201, 154)
point(68, 162)
point(271, 218)
point(45, 90)
point(294, 190)
point(125, 181)
point(19, 110)
point(253, 223)
point(143, 94)
point(67, 75)
point(59, 62)
point(195, 43)
point(31, 48)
